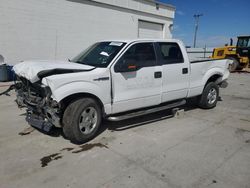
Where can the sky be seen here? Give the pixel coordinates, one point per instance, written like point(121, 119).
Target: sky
point(221, 20)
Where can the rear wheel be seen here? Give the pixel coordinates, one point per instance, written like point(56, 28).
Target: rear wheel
point(234, 66)
point(210, 96)
point(81, 120)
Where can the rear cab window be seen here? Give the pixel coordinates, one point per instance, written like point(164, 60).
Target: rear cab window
point(170, 53)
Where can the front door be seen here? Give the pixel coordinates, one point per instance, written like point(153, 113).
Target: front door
point(136, 78)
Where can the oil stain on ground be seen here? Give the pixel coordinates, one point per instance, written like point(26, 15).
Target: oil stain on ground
point(47, 159)
point(247, 120)
point(66, 149)
point(86, 147)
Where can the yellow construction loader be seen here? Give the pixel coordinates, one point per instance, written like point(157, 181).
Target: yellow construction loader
point(240, 54)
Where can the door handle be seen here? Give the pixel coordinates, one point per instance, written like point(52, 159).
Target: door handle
point(184, 70)
point(158, 74)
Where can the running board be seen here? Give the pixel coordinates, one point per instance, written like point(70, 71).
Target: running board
point(147, 111)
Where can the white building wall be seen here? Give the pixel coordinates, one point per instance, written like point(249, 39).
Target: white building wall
point(60, 29)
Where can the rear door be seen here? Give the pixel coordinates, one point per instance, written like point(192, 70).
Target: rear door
point(141, 87)
point(175, 71)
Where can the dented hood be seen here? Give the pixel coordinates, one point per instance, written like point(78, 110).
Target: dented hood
point(36, 70)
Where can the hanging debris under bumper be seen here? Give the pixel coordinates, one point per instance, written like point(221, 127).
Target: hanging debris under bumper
point(38, 122)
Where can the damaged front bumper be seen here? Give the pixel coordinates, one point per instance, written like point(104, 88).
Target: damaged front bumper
point(42, 111)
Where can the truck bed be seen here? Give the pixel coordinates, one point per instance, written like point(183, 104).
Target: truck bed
point(202, 70)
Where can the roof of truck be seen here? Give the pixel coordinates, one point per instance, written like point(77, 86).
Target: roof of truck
point(244, 36)
point(142, 40)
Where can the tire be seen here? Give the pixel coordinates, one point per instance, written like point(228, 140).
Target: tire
point(240, 68)
point(235, 64)
point(81, 120)
point(209, 97)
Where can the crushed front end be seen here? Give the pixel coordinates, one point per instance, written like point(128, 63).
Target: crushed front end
point(42, 111)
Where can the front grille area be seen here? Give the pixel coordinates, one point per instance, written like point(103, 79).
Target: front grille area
point(33, 94)
point(37, 100)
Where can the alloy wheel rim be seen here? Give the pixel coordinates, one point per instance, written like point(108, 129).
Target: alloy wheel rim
point(212, 95)
point(88, 120)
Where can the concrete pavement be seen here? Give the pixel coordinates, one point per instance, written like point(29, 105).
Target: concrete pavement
point(199, 148)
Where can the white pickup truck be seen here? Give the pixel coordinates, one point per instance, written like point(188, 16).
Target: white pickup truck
point(115, 80)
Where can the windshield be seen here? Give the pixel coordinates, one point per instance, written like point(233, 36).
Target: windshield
point(100, 54)
point(244, 42)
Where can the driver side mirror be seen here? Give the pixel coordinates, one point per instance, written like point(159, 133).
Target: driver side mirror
point(126, 65)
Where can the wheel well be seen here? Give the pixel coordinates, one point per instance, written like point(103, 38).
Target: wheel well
point(213, 78)
point(69, 99)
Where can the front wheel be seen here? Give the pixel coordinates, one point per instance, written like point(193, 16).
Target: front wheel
point(210, 96)
point(81, 120)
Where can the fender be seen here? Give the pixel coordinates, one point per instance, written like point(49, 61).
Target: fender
point(206, 75)
point(102, 93)
point(211, 72)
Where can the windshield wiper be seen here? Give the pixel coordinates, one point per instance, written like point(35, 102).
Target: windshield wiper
point(83, 63)
point(80, 62)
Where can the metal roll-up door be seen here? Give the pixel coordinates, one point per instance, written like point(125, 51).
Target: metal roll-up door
point(150, 30)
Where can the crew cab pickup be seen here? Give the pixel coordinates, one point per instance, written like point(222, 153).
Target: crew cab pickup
point(115, 80)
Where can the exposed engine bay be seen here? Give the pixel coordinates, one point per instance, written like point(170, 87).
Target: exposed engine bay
point(42, 111)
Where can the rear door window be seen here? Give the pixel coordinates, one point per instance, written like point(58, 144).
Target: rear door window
point(171, 53)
